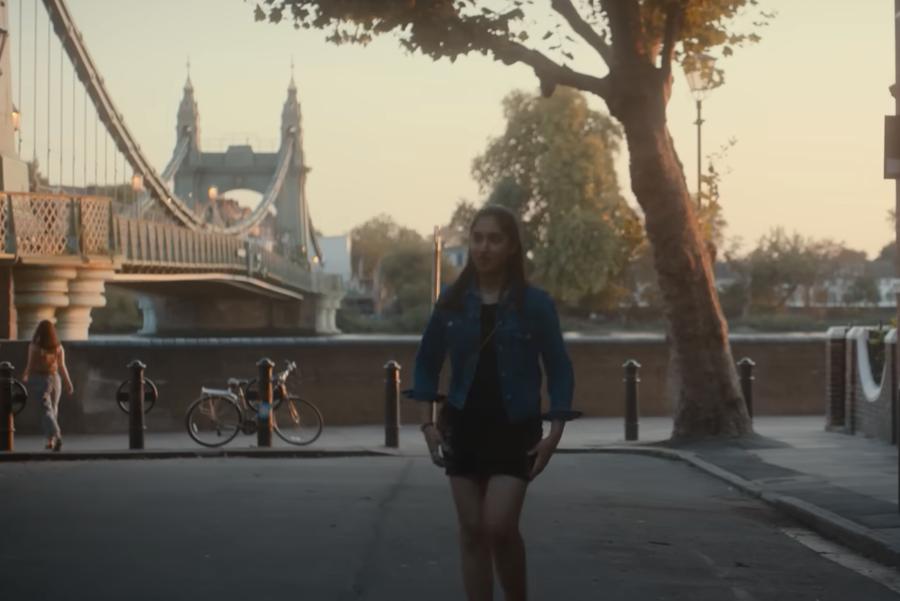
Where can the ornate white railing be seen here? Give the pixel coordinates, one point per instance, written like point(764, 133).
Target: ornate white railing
point(153, 246)
point(52, 225)
point(34, 226)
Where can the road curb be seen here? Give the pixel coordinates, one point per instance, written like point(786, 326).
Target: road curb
point(17, 457)
point(830, 525)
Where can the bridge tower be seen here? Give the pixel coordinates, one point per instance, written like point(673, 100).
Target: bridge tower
point(240, 167)
point(188, 120)
point(280, 177)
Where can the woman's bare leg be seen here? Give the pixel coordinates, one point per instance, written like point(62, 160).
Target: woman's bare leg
point(474, 545)
point(502, 508)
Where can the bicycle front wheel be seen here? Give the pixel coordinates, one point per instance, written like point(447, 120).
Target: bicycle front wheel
point(213, 420)
point(297, 421)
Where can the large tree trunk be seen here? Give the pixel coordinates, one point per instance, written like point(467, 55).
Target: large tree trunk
point(708, 401)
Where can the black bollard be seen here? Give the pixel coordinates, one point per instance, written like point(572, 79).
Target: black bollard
point(136, 405)
point(392, 404)
point(7, 419)
point(264, 416)
point(631, 399)
point(746, 366)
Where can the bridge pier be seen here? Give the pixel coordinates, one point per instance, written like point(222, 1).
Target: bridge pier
point(326, 314)
point(86, 292)
point(319, 313)
point(63, 295)
point(8, 327)
point(220, 313)
point(39, 292)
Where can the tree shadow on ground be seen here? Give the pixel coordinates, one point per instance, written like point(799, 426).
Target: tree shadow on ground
point(751, 441)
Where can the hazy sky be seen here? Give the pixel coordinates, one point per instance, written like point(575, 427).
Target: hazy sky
point(386, 132)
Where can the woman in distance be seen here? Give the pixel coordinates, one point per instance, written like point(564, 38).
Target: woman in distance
point(46, 373)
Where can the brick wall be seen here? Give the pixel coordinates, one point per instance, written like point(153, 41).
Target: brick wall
point(835, 377)
point(345, 376)
point(869, 398)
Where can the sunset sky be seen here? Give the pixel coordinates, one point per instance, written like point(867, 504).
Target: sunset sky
point(386, 132)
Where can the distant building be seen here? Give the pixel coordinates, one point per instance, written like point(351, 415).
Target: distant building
point(843, 290)
point(456, 255)
point(456, 247)
point(225, 212)
point(336, 256)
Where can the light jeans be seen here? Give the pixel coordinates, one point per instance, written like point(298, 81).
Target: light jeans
point(46, 389)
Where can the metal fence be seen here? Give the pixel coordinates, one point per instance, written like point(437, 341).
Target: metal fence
point(48, 225)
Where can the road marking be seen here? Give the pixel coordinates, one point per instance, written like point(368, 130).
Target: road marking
point(739, 593)
point(742, 595)
point(872, 570)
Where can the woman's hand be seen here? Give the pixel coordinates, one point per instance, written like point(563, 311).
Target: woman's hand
point(70, 390)
point(542, 452)
point(434, 440)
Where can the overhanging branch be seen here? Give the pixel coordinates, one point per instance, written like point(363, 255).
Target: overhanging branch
point(583, 29)
point(674, 17)
point(624, 18)
point(548, 72)
point(438, 30)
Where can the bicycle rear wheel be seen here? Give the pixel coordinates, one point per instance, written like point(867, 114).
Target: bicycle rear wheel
point(19, 397)
point(297, 421)
point(213, 420)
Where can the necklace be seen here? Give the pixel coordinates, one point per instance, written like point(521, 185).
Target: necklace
point(489, 336)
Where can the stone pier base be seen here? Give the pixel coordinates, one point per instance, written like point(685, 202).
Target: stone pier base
point(218, 315)
point(62, 295)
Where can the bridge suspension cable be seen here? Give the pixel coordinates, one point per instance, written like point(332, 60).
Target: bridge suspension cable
point(34, 112)
point(61, 133)
point(154, 184)
point(19, 106)
point(49, 67)
point(62, 88)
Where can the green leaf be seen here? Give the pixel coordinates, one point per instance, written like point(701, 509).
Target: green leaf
point(554, 166)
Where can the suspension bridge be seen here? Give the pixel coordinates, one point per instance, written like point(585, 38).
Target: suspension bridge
point(82, 208)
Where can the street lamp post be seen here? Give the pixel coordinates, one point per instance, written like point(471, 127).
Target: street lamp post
point(701, 77)
point(212, 193)
point(137, 185)
point(896, 95)
point(16, 121)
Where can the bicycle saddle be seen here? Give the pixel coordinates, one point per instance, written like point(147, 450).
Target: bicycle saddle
point(237, 382)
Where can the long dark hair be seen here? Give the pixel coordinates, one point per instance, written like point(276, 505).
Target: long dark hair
point(45, 336)
point(516, 282)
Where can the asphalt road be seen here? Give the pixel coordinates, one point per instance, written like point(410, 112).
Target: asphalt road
point(597, 527)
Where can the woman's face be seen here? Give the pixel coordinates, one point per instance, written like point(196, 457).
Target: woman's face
point(489, 247)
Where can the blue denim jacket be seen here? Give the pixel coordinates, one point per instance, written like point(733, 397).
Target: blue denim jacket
point(521, 338)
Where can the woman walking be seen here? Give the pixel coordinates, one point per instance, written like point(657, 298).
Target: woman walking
point(44, 372)
point(495, 327)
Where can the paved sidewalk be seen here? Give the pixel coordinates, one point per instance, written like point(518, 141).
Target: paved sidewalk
point(844, 487)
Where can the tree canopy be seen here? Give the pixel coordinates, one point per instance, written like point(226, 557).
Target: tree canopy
point(554, 167)
point(655, 32)
point(784, 263)
point(372, 240)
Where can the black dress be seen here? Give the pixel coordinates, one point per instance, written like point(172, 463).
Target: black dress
point(479, 440)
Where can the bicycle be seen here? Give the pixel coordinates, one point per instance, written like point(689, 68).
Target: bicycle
point(220, 414)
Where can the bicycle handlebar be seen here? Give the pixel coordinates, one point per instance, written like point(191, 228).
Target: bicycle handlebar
point(289, 368)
